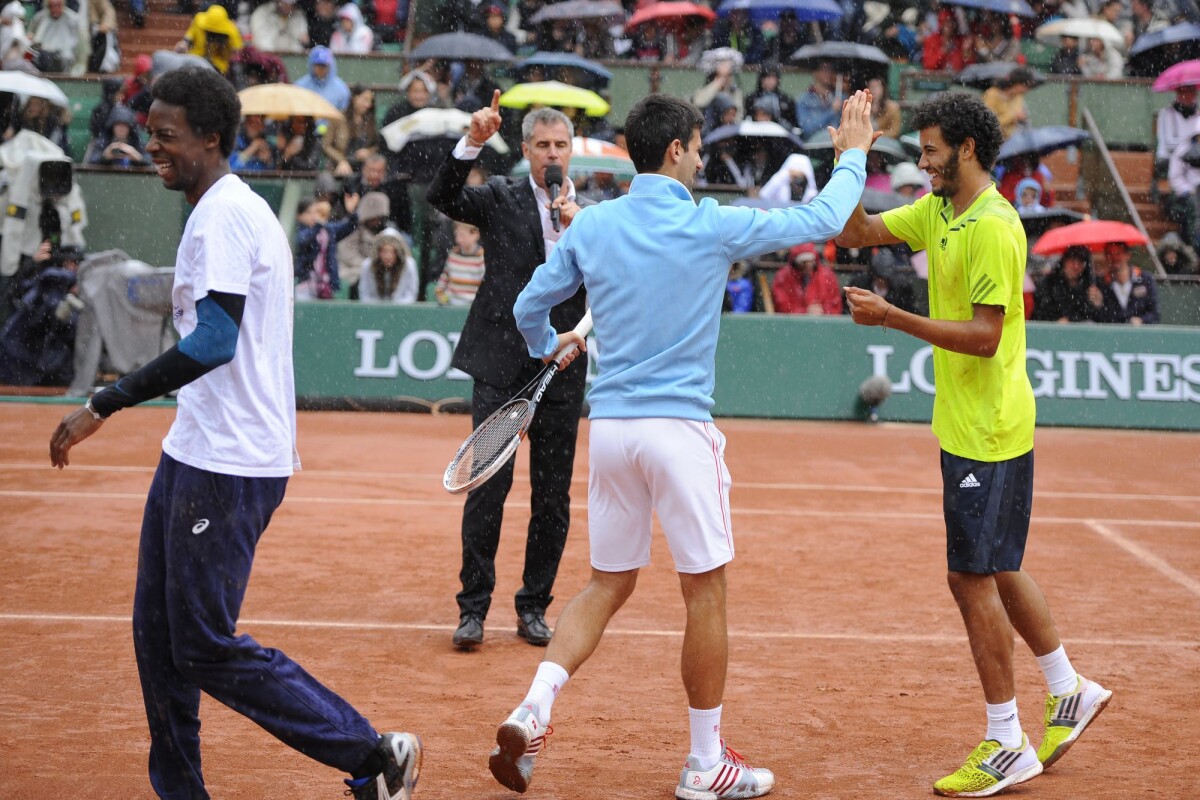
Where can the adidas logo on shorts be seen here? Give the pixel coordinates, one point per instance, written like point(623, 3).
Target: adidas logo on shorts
point(970, 482)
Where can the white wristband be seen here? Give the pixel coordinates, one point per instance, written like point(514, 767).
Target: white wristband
point(91, 410)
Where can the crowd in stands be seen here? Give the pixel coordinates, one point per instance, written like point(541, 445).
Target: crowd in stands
point(366, 235)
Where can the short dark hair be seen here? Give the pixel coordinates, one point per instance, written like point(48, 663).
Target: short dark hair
point(962, 116)
point(653, 123)
point(209, 102)
point(1020, 75)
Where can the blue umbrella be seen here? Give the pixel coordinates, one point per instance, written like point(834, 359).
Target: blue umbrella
point(545, 59)
point(1018, 7)
point(805, 10)
point(1040, 141)
point(1183, 32)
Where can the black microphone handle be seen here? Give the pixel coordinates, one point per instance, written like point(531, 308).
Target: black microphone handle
point(552, 189)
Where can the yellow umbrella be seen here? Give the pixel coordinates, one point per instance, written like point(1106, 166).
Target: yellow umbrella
point(553, 93)
point(281, 100)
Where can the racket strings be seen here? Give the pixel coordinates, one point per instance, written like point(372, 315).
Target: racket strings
point(492, 442)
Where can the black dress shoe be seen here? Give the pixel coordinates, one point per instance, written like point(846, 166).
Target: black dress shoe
point(532, 627)
point(469, 632)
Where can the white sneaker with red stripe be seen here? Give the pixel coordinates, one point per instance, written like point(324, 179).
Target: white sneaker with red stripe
point(518, 741)
point(730, 777)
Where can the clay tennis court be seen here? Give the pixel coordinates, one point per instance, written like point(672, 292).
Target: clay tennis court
point(850, 675)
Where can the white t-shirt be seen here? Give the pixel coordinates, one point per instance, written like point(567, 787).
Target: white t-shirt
point(240, 418)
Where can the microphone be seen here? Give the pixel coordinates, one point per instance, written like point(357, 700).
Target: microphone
point(554, 179)
point(873, 391)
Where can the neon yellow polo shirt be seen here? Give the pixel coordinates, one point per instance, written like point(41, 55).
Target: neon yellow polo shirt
point(984, 408)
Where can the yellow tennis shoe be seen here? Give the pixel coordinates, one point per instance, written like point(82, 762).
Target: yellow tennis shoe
point(1068, 715)
point(991, 768)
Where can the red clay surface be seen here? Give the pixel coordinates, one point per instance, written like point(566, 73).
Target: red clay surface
point(850, 675)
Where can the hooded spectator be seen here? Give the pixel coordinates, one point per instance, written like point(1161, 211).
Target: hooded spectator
point(323, 79)
point(805, 285)
point(352, 34)
point(13, 40)
point(212, 36)
point(795, 182)
point(419, 90)
point(1177, 257)
point(121, 144)
point(374, 214)
point(1028, 196)
point(908, 180)
point(55, 33)
point(390, 275)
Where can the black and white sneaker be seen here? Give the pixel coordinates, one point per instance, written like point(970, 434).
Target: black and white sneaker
point(402, 759)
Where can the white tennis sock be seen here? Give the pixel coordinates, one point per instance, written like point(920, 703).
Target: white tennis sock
point(1060, 675)
point(547, 683)
point(706, 735)
point(1003, 724)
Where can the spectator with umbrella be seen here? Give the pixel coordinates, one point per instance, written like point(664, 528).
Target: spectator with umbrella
point(820, 106)
point(1175, 121)
point(738, 32)
point(721, 66)
point(1069, 293)
point(781, 107)
point(1130, 296)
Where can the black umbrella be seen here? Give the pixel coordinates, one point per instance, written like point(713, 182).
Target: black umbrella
point(846, 56)
point(749, 129)
point(598, 76)
point(1040, 141)
point(876, 202)
point(1036, 223)
point(893, 151)
point(981, 76)
point(579, 9)
point(1154, 52)
point(460, 47)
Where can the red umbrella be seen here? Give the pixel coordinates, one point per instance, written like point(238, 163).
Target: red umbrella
point(669, 12)
point(1185, 73)
point(1093, 235)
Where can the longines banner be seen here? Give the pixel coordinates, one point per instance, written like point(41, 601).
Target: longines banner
point(780, 366)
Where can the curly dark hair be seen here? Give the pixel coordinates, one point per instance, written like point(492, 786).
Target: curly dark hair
point(210, 104)
point(962, 116)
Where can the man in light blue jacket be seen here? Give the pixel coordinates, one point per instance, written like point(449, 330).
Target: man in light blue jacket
point(655, 265)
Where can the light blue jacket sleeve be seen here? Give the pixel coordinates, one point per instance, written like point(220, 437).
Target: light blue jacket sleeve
point(552, 283)
point(749, 232)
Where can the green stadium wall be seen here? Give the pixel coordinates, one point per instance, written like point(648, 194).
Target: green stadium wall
point(778, 367)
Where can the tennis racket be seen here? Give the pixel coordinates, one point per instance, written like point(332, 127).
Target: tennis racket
point(497, 438)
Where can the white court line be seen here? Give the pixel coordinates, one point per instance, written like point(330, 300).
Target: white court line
point(1144, 555)
point(909, 638)
point(517, 505)
point(434, 479)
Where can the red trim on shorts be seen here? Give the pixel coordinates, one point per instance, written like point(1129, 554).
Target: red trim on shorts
point(720, 496)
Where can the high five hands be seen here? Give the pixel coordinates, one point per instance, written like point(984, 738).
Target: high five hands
point(485, 122)
point(855, 130)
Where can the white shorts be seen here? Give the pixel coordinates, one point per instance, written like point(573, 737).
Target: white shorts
point(673, 466)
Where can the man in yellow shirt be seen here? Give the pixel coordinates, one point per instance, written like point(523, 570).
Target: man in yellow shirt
point(1007, 100)
point(983, 417)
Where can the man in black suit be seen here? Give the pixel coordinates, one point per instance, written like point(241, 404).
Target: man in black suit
point(514, 219)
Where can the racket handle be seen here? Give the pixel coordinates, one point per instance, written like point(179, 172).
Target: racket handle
point(583, 329)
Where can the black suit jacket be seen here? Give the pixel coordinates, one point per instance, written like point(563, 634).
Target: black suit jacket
point(491, 349)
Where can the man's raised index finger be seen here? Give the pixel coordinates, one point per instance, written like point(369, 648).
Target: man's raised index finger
point(496, 101)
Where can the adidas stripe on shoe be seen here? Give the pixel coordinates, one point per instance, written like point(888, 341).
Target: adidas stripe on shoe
point(730, 777)
point(518, 742)
point(991, 769)
point(1068, 715)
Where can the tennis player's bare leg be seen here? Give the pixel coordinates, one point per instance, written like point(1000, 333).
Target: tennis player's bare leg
point(989, 631)
point(705, 656)
point(581, 624)
point(1028, 612)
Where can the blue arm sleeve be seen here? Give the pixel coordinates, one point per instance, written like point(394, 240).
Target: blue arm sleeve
point(552, 283)
point(748, 232)
point(214, 340)
point(210, 345)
